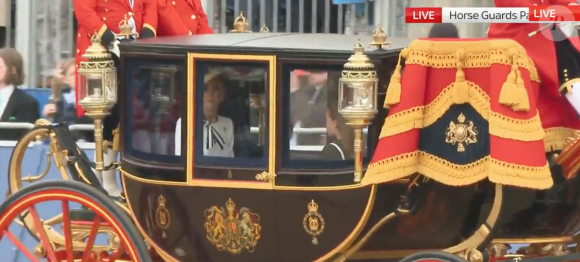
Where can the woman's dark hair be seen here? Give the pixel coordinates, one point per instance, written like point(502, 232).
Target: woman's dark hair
point(346, 132)
point(443, 31)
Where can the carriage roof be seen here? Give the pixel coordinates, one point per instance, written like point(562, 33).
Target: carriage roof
point(294, 44)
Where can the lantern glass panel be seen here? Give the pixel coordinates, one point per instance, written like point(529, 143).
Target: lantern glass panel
point(110, 82)
point(93, 85)
point(357, 95)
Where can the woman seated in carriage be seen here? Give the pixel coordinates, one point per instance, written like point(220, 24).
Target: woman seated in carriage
point(218, 131)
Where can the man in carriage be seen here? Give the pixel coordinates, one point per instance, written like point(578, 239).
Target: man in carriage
point(106, 18)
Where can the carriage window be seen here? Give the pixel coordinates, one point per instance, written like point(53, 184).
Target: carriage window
point(316, 130)
point(231, 112)
point(154, 106)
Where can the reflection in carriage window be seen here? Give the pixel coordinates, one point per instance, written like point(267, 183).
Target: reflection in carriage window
point(317, 131)
point(232, 111)
point(154, 107)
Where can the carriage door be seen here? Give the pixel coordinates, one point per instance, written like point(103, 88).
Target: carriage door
point(227, 149)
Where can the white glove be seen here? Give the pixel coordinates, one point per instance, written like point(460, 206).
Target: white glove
point(574, 97)
point(115, 48)
point(568, 28)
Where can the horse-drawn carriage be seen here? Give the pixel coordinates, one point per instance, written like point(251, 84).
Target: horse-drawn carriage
point(210, 172)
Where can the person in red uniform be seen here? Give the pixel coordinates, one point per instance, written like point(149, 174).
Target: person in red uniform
point(182, 17)
point(558, 68)
point(103, 17)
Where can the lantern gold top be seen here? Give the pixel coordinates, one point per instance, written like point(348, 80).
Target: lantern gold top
point(359, 60)
point(125, 28)
point(264, 29)
point(379, 38)
point(97, 51)
point(240, 24)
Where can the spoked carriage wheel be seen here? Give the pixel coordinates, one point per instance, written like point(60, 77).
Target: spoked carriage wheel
point(125, 243)
point(434, 256)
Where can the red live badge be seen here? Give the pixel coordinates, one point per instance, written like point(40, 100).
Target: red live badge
point(556, 22)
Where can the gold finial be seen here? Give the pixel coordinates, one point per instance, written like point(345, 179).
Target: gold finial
point(264, 29)
point(161, 200)
point(125, 28)
point(359, 60)
point(379, 38)
point(96, 51)
point(240, 24)
point(95, 39)
point(312, 207)
point(230, 205)
point(461, 118)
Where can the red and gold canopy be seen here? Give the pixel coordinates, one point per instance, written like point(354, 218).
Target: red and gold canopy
point(497, 79)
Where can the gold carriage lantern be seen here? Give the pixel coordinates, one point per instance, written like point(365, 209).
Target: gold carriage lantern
point(241, 24)
point(98, 84)
point(357, 99)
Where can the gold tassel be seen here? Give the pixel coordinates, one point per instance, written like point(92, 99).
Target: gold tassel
point(460, 86)
point(394, 89)
point(524, 100)
point(508, 95)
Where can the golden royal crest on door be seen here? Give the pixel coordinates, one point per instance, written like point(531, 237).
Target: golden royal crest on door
point(313, 222)
point(162, 216)
point(231, 229)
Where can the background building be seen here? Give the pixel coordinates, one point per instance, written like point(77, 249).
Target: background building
point(43, 30)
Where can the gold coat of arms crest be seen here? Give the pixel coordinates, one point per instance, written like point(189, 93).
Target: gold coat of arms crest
point(231, 229)
point(461, 133)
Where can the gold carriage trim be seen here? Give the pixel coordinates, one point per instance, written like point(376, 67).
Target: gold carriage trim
point(472, 54)
point(555, 138)
point(499, 125)
point(451, 174)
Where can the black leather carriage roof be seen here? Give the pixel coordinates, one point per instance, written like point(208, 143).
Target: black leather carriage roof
point(270, 43)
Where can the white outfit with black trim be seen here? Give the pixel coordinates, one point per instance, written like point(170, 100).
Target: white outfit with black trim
point(218, 138)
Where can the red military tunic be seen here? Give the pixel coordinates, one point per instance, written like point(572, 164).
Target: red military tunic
point(103, 17)
point(558, 117)
point(182, 17)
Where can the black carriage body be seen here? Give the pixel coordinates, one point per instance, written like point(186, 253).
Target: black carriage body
point(189, 207)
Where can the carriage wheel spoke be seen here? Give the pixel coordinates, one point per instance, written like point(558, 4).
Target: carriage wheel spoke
point(42, 234)
point(117, 253)
point(92, 238)
point(67, 231)
point(19, 245)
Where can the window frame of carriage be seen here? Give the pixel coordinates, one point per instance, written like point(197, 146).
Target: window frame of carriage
point(129, 64)
point(289, 164)
point(201, 65)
